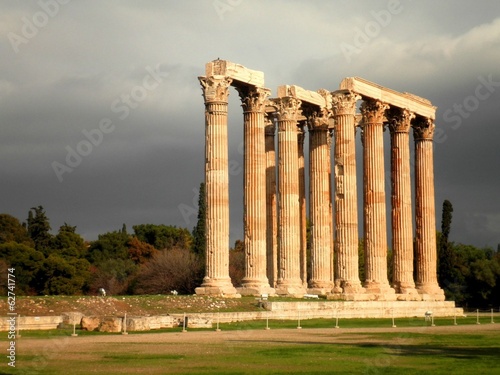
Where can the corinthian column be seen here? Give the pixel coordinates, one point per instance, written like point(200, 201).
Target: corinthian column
point(216, 281)
point(289, 277)
point(375, 226)
point(271, 206)
point(320, 204)
point(425, 233)
point(255, 281)
point(401, 214)
point(346, 207)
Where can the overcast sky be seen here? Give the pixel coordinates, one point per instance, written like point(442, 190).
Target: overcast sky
point(123, 75)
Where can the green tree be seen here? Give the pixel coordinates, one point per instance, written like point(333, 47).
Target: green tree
point(478, 274)
point(361, 259)
point(495, 293)
point(39, 229)
point(237, 262)
point(199, 236)
point(112, 268)
point(11, 230)
point(27, 262)
point(115, 275)
point(390, 266)
point(164, 236)
point(63, 276)
point(67, 243)
point(308, 249)
point(446, 256)
point(111, 245)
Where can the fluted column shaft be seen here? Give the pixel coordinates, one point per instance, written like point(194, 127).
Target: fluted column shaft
point(425, 230)
point(255, 280)
point(217, 191)
point(375, 222)
point(401, 213)
point(216, 281)
point(289, 276)
point(346, 208)
point(271, 204)
point(320, 204)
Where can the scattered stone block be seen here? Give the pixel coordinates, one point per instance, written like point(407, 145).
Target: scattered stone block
point(90, 323)
point(137, 323)
point(110, 324)
point(72, 317)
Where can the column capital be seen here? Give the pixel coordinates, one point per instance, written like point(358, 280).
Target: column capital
point(253, 99)
point(399, 119)
point(373, 111)
point(215, 88)
point(423, 129)
point(319, 121)
point(288, 108)
point(344, 103)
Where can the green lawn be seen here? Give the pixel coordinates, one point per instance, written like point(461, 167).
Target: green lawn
point(313, 350)
point(408, 354)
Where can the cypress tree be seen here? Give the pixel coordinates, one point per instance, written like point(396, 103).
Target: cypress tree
point(39, 229)
point(446, 256)
point(199, 242)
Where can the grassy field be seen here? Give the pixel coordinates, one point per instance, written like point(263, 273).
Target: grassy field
point(360, 346)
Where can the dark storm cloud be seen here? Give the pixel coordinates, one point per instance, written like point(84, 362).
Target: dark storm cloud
point(91, 62)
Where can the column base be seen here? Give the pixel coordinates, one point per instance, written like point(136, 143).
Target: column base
point(348, 287)
point(430, 292)
point(377, 287)
point(407, 292)
point(319, 287)
point(319, 291)
point(405, 288)
point(218, 288)
point(348, 290)
point(291, 289)
point(379, 291)
point(255, 289)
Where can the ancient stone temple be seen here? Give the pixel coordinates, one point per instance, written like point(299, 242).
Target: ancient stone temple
point(276, 175)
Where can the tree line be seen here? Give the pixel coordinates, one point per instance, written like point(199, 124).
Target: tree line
point(152, 259)
point(157, 259)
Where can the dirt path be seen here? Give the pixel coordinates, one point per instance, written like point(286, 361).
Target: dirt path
point(201, 338)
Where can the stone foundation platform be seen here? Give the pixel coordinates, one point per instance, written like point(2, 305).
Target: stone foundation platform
point(312, 309)
point(364, 309)
point(331, 309)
